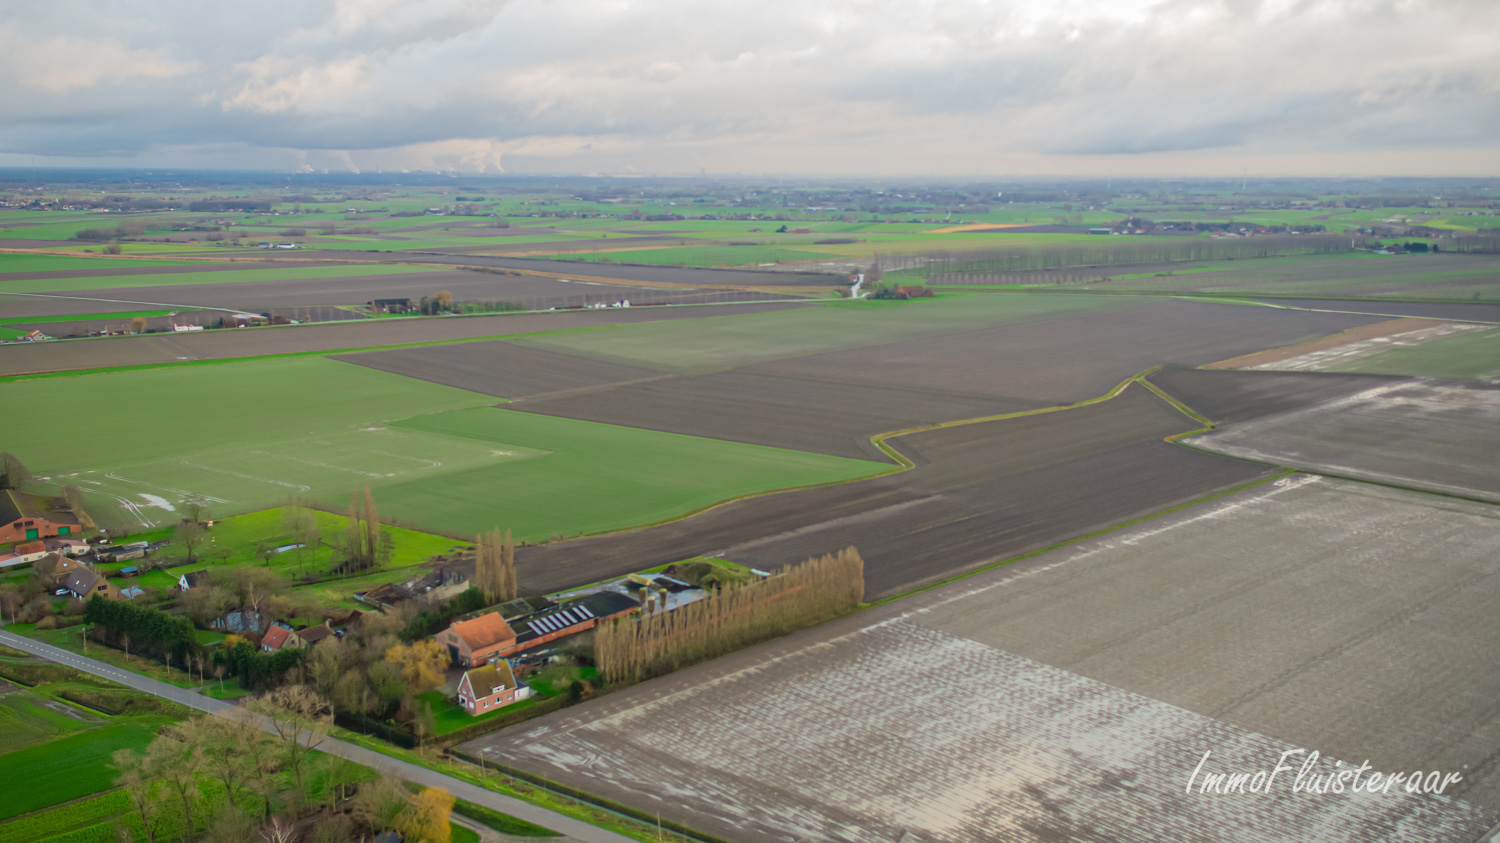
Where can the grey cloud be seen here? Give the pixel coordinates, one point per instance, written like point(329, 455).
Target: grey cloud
point(771, 84)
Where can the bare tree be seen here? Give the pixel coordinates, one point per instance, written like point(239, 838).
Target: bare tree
point(300, 719)
point(141, 789)
point(137, 324)
point(189, 535)
point(176, 762)
point(13, 475)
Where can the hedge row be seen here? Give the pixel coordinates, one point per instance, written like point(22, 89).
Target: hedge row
point(368, 726)
point(32, 674)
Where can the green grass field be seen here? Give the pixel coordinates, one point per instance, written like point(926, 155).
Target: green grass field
point(69, 767)
point(16, 262)
point(597, 478)
point(1475, 355)
point(228, 276)
point(246, 435)
point(24, 720)
point(696, 255)
point(713, 344)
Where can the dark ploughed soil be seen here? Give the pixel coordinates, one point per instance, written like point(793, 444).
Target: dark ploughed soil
point(502, 369)
point(1230, 395)
point(979, 493)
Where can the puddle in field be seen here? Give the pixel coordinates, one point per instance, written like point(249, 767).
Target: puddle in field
point(159, 502)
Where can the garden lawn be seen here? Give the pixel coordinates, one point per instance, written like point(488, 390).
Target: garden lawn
point(70, 767)
point(450, 718)
point(597, 477)
point(243, 535)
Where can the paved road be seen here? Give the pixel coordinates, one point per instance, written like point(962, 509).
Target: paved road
point(576, 829)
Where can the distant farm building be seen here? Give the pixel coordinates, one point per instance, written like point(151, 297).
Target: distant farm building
point(391, 306)
point(25, 517)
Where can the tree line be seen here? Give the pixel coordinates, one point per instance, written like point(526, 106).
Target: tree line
point(256, 777)
point(657, 642)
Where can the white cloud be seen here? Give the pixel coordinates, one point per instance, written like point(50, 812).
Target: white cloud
point(63, 63)
point(777, 85)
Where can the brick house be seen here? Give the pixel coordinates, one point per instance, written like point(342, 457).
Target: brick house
point(25, 517)
point(473, 642)
point(282, 637)
point(278, 638)
point(86, 583)
point(487, 688)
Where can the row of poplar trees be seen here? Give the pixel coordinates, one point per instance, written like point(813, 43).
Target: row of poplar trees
point(495, 566)
point(639, 647)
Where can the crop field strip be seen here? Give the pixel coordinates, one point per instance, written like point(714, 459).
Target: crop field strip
point(834, 400)
point(19, 359)
point(527, 292)
point(316, 428)
point(1443, 276)
point(978, 493)
point(1424, 434)
point(1049, 700)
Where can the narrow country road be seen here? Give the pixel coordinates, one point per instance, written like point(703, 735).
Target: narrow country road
point(575, 829)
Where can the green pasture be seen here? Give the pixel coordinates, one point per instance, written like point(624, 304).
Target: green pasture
point(243, 435)
point(226, 276)
point(24, 720)
point(69, 767)
point(244, 534)
point(698, 256)
point(247, 435)
point(1473, 355)
point(597, 478)
point(722, 342)
point(17, 262)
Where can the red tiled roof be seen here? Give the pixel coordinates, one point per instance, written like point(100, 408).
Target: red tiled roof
point(484, 631)
point(276, 637)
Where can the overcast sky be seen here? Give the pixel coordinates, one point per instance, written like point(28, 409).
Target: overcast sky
point(957, 87)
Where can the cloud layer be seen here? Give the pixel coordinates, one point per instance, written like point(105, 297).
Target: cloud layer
point(961, 87)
